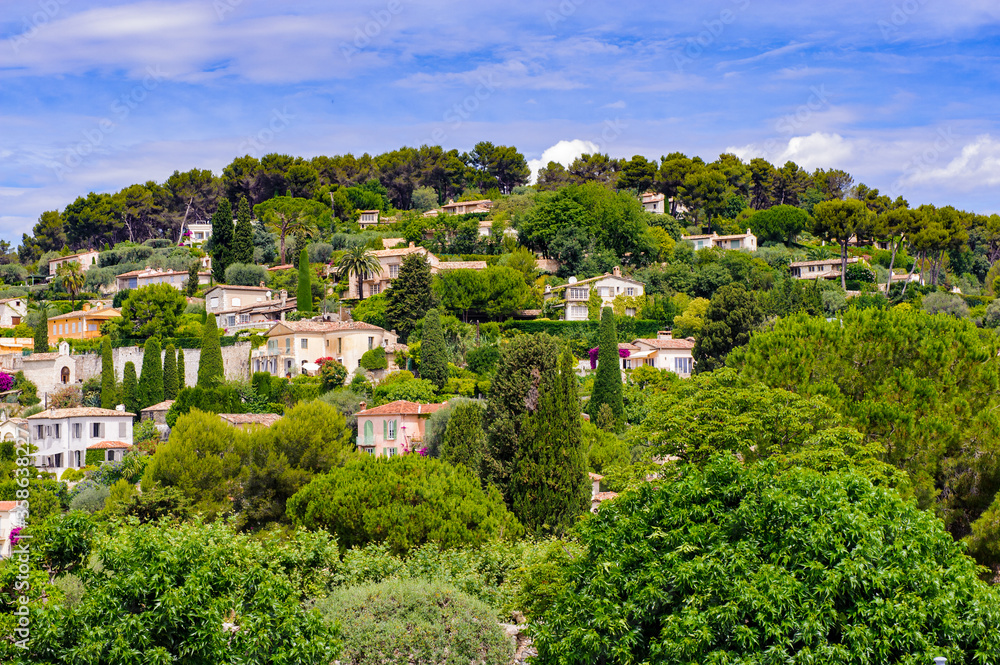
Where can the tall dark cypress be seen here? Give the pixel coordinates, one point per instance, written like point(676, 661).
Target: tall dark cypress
point(151, 377)
point(180, 370)
point(243, 239)
point(109, 387)
point(222, 240)
point(211, 371)
point(304, 302)
point(608, 382)
point(170, 372)
point(130, 388)
point(433, 351)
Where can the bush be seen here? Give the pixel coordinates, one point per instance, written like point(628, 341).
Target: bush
point(72, 475)
point(483, 359)
point(246, 274)
point(91, 499)
point(373, 359)
point(415, 621)
point(332, 373)
point(940, 302)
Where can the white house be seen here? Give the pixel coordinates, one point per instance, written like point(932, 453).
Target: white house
point(652, 202)
point(293, 346)
point(85, 259)
point(747, 241)
point(135, 279)
point(368, 219)
point(609, 286)
point(391, 259)
point(199, 233)
point(12, 311)
point(821, 269)
point(63, 436)
point(224, 299)
point(13, 429)
point(466, 207)
point(11, 515)
point(664, 352)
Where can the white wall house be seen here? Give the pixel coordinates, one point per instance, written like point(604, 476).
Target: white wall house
point(62, 436)
point(654, 203)
point(664, 352)
point(12, 311)
point(609, 286)
point(294, 346)
point(821, 269)
point(12, 515)
point(747, 241)
point(224, 299)
point(85, 259)
point(135, 279)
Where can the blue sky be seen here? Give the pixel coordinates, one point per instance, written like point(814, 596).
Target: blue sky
point(98, 95)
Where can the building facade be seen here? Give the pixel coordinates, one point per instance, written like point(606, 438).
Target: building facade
point(12, 311)
point(396, 428)
point(176, 278)
point(746, 241)
point(295, 346)
point(575, 295)
point(63, 436)
point(85, 259)
point(82, 324)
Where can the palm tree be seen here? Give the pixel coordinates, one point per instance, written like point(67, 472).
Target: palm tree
point(71, 275)
point(359, 261)
point(288, 223)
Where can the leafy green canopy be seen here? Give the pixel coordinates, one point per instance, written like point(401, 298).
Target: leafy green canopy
point(743, 564)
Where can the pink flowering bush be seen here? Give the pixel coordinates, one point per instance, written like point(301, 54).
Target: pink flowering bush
point(6, 381)
point(14, 540)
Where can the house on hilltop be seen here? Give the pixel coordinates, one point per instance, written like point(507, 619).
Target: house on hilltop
point(392, 259)
point(747, 241)
point(576, 294)
point(85, 259)
point(294, 346)
point(62, 437)
point(396, 428)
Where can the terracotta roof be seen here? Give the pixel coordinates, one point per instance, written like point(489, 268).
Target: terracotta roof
point(104, 312)
point(265, 306)
point(325, 326)
point(626, 345)
point(699, 237)
point(461, 265)
point(154, 271)
point(42, 356)
point(604, 496)
point(73, 256)
point(79, 412)
point(595, 476)
point(237, 287)
point(283, 266)
point(3, 300)
point(379, 253)
point(598, 278)
point(403, 408)
point(109, 445)
point(7, 506)
point(453, 204)
point(667, 343)
point(650, 197)
point(389, 243)
point(822, 262)
point(162, 406)
point(396, 348)
point(265, 419)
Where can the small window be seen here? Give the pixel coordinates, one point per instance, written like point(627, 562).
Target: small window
point(95, 430)
point(122, 427)
point(288, 345)
point(371, 343)
point(630, 291)
point(77, 430)
point(391, 435)
point(390, 452)
point(111, 456)
point(40, 431)
point(393, 271)
point(305, 343)
point(237, 302)
point(56, 426)
point(213, 303)
point(340, 345)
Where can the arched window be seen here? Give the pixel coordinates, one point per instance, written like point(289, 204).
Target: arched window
point(65, 374)
point(369, 433)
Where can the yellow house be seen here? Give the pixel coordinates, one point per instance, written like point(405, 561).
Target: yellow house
point(294, 346)
point(82, 324)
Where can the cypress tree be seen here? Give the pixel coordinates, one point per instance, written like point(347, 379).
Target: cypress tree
point(180, 370)
point(464, 440)
point(243, 236)
point(109, 388)
point(130, 388)
point(549, 481)
point(410, 295)
point(170, 373)
point(433, 352)
point(608, 382)
point(151, 377)
point(304, 303)
point(42, 330)
point(191, 285)
point(222, 240)
point(211, 371)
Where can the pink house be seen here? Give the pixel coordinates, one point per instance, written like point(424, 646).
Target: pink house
point(395, 428)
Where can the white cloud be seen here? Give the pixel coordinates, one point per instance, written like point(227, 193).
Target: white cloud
point(817, 150)
point(564, 153)
point(978, 165)
point(620, 104)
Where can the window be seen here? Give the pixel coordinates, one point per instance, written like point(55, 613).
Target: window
point(76, 459)
point(288, 345)
point(375, 289)
point(122, 430)
point(393, 271)
point(231, 320)
point(48, 430)
point(64, 374)
point(683, 365)
point(578, 311)
point(40, 432)
point(237, 302)
point(15, 320)
point(371, 343)
point(111, 456)
point(578, 294)
point(272, 347)
point(630, 291)
point(244, 318)
point(630, 311)
point(97, 430)
point(56, 426)
point(304, 343)
point(369, 434)
point(77, 430)
point(213, 303)
point(390, 452)
point(340, 345)
point(390, 430)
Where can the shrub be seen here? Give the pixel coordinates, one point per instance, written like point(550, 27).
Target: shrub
point(483, 359)
point(246, 274)
point(940, 302)
point(415, 621)
point(91, 499)
point(373, 359)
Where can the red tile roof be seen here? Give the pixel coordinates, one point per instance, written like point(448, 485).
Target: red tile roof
point(7, 506)
point(605, 496)
point(162, 406)
point(265, 419)
point(680, 344)
point(79, 412)
point(325, 326)
point(402, 408)
point(106, 445)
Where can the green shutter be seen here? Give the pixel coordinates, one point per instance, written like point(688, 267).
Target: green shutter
point(385, 429)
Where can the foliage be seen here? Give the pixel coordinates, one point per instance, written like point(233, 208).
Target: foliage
point(403, 501)
point(409, 297)
point(549, 480)
point(608, 383)
point(151, 311)
point(730, 563)
point(332, 373)
point(690, 323)
point(242, 250)
point(90, 500)
point(304, 301)
point(371, 310)
point(358, 261)
point(196, 593)
point(464, 439)
point(222, 245)
point(130, 389)
point(417, 621)
point(246, 274)
point(483, 359)
point(732, 315)
point(41, 337)
point(411, 390)
point(940, 302)
point(170, 372)
point(109, 387)
point(372, 360)
point(151, 377)
point(211, 371)
point(433, 353)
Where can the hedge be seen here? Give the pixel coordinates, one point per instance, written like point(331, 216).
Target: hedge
point(179, 342)
point(640, 328)
point(94, 457)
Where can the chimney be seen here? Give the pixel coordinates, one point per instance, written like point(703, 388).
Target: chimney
point(363, 405)
point(411, 245)
point(664, 334)
point(262, 285)
point(617, 271)
point(284, 297)
point(120, 407)
point(86, 307)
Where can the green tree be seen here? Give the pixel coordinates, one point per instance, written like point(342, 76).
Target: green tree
point(304, 302)
point(288, 215)
point(191, 283)
point(211, 371)
point(332, 374)
point(608, 381)
point(549, 485)
point(651, 577)
point(246, 274)
point(733, 314)
point(151, 376)
point(360, 262)
point(409, 297)
point(151, 311)
point(839, 221)
point(433, 351)
point(403, 502)
point(464, 440)
point(242, 251)
point(525, 361)
point(130, 389)
point(109, 387)
point(41, 341)
point(70, 275)
point(170, 372)
point(180, 370)
point(222, 240)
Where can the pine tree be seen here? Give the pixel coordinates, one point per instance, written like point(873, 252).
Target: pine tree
point(211, 371)
point(608, 382)
point(243, 237)
point(433, 351)
point(464, 440)
point(109, 387)
point(304, 303)
point(170, 373)
point(151, 377)
point(42, 329)
point(180, 370)
point(130, 388)
point(549, 482)
point(410, 295)
point(222, 240)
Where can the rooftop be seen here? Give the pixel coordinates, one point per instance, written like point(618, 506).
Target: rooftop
point(324, 326)
point(80, 412)
point(598, 278)
point(265, 419)
point(162, 406)
point(7, 506)
point(462, 265)
point(667, 343)
point(821, 262)
point(104, 312)
point(109, 445)
point(402, 408)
